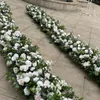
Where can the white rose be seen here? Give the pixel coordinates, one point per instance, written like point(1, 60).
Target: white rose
point(29, 57)
point(26, 79)
point(23, 56)
point(46, 84)
point(28, 63)
point(81, 56)
point(86, 64)
point(40, 71)
point(15, 57)
point(21, 82)
point(15, 70)
point(26, 91)
point(40, 83)
point(35, 79)
point(9, 63)
point(86, 51)
point(35, 64)
point(32, 68)
point(16, 45)
point(35, 73)
point(47, 75)
point(74, 49)
point(24, 68)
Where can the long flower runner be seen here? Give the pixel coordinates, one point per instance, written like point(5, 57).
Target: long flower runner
point(81, 53)
point(27, 69)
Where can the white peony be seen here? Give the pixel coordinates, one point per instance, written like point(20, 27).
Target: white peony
point(26, 91)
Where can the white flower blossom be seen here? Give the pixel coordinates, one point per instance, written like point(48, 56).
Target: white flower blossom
point(15, 69)
point(15, 57)
point(47, 75)
point(28, 63)
point(23, 55)
point(26, 79)
point(40, 83)
point(24, 68)
point(26, 91)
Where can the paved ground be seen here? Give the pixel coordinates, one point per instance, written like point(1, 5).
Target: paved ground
point(78, 23)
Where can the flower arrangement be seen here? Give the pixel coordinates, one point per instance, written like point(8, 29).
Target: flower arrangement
point(28, 71)
point(81, 53)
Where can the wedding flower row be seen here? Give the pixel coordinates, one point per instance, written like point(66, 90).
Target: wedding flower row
point(28, 71)
point(79, 52)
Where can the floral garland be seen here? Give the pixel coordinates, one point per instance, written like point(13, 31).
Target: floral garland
point(28, 71)
point(78, 51)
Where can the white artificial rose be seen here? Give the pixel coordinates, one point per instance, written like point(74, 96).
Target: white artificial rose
point(9, 63)
point(86, 51)
point(83, 48)
point(28, 63)
point(15, 69)
point(40, 83)
point(40, 71)
point(26, 91)
point(74, 49)
point(21, 82)
point(35, 64)
point(32, 68)
point(86, 55)
point(24, 68)
point(81, 56)
point(17, 34)
point(78, 42)
point(23, 55)
point(26, 79)
point(37, 97)
point(46, 84)
point(15, 57)
point(35, 73)
point(16, 46)
point(29, 57)
point(47, 75)
point(7, 37)
point(35, 79)
point(86, 64)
